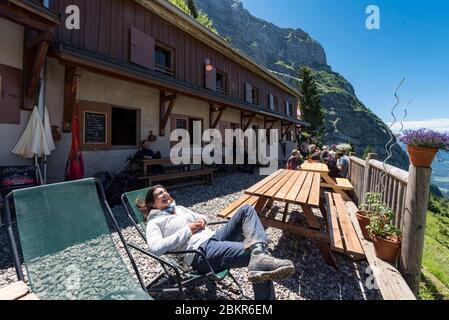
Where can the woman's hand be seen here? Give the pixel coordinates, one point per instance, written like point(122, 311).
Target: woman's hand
point(201, 223)
point(194, 227)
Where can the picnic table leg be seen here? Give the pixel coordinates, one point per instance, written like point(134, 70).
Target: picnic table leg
point(284, 217)
point(261, 204)
point(323, 246)
point(333, 185)
point(323, 209)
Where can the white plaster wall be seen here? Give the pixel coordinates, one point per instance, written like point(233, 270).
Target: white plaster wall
point(11, 54)
point(192, 108)
point(98, 88)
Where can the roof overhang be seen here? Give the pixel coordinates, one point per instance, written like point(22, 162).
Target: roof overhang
point(30, 14)
point(130, 72)
point(174, 15)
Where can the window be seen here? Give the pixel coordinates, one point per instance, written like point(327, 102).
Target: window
point(164, 59)
point(104, 126)
point(124, 127)
point(255, 96)
point(181, 124)
point(288, 108)
point(222, 83)
point(276, 104)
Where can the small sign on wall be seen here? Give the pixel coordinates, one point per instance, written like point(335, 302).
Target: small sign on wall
point(95, 128)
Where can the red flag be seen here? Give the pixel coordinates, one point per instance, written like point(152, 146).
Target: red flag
point(75, 164)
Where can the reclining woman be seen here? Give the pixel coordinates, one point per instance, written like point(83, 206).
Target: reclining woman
point(242, 242)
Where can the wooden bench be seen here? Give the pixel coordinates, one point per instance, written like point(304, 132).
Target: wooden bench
point(341, 183)
point(17, 291)
point(388, 279)
point(344, 184)
point(232, 209)
point(343, 236)
point(206, 174)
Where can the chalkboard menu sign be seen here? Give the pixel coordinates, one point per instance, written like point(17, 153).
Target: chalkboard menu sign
point(95, 128)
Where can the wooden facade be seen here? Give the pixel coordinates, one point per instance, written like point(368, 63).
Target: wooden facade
point(108, 27)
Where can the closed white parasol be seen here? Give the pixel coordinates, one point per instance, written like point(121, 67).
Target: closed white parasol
point(36, 140)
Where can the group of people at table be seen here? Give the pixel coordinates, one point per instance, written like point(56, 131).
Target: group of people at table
point(336, 160)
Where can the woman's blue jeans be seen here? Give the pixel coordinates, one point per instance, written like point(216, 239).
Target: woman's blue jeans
point(229, 248)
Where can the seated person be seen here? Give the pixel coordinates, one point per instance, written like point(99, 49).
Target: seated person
point(325, 156)
point(294, 161)
point(333, 170)
point(342, 164)
point(304, 149)
point(146, 153)
point(242, 242)
point(316, 156)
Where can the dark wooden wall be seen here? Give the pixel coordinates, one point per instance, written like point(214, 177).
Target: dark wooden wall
point(105, 28)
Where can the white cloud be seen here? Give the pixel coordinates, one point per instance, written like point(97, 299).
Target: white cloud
point(441, 125)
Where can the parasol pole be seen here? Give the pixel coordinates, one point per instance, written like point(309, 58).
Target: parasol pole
point(41, 107)
point(38, 170)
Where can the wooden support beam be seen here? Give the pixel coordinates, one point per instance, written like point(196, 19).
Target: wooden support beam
point(284, 133)
point(39, 60)
point(165, 111)
point(246, 119)
point(213, 109)
point(43, 36)
point(71, 87)
point(270, 122)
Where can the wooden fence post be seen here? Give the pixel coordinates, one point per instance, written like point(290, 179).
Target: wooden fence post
point(367, 175)
point(414, 224)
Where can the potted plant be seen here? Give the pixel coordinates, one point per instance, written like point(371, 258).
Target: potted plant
point(385, 236)
point(371, 207)
point(423, 144)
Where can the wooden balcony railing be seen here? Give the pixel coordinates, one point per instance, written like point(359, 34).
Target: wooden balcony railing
point(407, 194)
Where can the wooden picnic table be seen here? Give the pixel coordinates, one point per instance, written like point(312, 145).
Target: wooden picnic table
point(293, 187)
point(339, 185)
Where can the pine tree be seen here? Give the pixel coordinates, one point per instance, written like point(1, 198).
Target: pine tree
point(310, 103)
point(182, 5)
point(192, 8)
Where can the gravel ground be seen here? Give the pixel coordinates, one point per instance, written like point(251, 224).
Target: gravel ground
point(313, 279)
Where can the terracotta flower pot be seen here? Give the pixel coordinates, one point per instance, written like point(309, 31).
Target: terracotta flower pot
point(385, 249)
point(363, 222)
point(422, 157)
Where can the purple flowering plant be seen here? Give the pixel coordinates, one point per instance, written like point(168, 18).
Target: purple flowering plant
point(426, 138)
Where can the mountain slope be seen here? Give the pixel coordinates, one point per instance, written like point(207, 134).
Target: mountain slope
point(285, 50)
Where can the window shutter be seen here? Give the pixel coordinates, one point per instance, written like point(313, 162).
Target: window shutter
point(271, 101)
point(142, 49)
point(248, 93)
point(211, 78)
point(287, 108)
point(10, 94)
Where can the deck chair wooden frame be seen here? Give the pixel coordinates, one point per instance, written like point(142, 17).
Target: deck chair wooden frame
point(107, 213)
point(182, 275)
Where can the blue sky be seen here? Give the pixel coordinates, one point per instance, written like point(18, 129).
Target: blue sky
point(413, 42)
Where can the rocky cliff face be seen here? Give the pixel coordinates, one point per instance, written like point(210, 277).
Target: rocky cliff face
point(285, 50)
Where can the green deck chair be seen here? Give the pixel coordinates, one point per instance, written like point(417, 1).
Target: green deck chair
point(180, 274)
point(66, 244)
